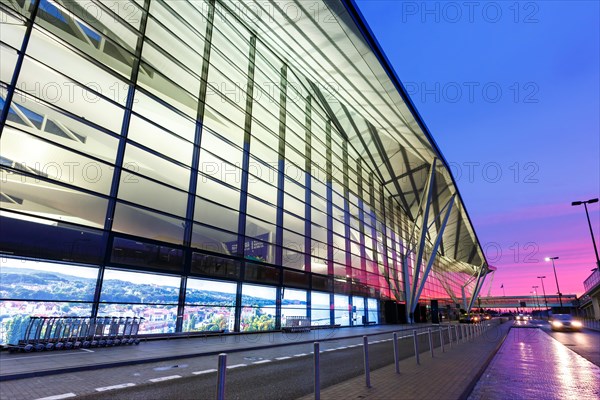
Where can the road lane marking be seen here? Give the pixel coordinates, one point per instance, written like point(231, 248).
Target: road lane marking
point(88, 350)
point(300, 355)
point(206, 371)
point(121, 386)
point(342, 348)
point(261, 362)
point(165, 378)
point(283, 358)
point(329, 350)
point(236, 366)
point(58, 396)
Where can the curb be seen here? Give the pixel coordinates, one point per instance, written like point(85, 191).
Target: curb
point(465, 394)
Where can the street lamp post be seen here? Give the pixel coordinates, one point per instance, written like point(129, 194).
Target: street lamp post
point(556, 279)
point(544, 291)
point(537, 299)
point(585, 203)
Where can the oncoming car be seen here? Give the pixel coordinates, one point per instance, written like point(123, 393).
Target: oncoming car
point(565, 322)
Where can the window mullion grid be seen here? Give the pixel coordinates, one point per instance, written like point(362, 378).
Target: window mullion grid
point(244, 178)
point(112, 203)
point(194, 168)
point(330, 248)
point(307, 202)
point(280, 190)
point(347, 230)
point(19, 64)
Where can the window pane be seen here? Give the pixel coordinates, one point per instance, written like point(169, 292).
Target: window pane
point(214, 266)
point(206, 238)
point(36, 280)
point(139, 190)
point(36, 197)
point(210, 293)
point(77, 100)
point(143, 223)
point(16, 315)
point(293, 304)
point(152, 256)
point(157, 318)
point(258, 308)
point(138, 287)
point(160, 140)
point(44, 159)
point(153, 166)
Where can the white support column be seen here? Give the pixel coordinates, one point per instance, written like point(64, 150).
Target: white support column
point(426, 199)
point(438, 240)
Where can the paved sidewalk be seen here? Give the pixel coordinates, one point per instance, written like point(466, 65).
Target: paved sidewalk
point(448, 375)
point(533, 365)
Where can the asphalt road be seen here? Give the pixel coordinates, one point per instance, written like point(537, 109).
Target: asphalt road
point(276, 379)
point(585, 343)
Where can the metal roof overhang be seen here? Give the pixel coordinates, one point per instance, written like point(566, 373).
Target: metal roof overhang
point(330, 43)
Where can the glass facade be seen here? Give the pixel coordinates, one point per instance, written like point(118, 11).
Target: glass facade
point(171, 160)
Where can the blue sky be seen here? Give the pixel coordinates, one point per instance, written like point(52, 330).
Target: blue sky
point(511, 94)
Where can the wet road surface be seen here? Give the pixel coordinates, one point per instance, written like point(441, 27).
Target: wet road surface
point(532, 365)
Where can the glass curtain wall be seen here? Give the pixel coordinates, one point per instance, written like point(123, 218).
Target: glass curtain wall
point(164, 138)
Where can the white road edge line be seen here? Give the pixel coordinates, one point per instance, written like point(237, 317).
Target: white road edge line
point(58, 396)
point(300, 355)
point(165, 378)
point(329, 350)
point(283, 358)
point(206, 371)
point(121, 386)
point(342, 348)
point(236, 366)
point(261, 362)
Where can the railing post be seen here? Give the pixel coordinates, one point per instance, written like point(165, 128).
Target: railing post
point(221, 371)
point(430, 341)
point(317, 370)
point(450, 335)
point(416, 341)
point(366, 353)
point(396, 356)
point(456, 333)
point(442, 339)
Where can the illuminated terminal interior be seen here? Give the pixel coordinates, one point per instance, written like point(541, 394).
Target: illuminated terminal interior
point(218, 166)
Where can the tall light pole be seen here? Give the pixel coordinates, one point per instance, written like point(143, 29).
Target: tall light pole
point(555, 278)
point(544, 291)
point(537, 299)
point(585, 203)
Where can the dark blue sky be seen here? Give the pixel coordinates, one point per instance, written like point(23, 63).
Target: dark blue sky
point(511, 93)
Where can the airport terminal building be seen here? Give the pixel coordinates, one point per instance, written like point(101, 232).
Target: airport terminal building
point(218, 165)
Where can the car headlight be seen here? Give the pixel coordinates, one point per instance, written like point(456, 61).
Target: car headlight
point(576, 324)
point(556, 323)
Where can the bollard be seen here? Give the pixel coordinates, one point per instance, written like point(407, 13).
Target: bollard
point(317, 368)
point(463, 333)
point(367, 369)
point(450, 336)
point(222, 368)
point(456, 333)
point(416, 340)
point(442, 340)
point(430, 341)
point(396, 356)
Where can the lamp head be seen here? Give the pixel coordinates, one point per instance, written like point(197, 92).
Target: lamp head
point(592, 201)
point(576, 203)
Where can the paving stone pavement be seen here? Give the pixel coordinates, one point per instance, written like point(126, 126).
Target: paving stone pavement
point(532, 365)
point(448, 375)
